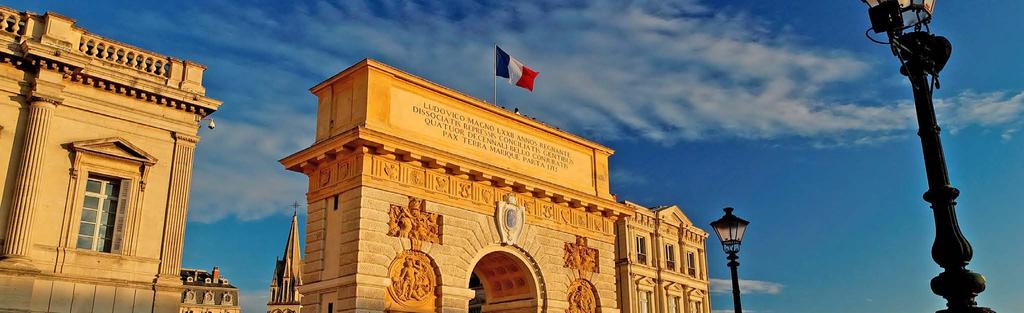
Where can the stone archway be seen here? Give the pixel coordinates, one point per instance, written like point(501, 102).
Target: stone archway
point(504, 283)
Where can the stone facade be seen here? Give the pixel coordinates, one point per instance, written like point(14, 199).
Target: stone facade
point(207, 292)
point(422, 199)
point(97, 141)
point(284, 287)
point(661, 262)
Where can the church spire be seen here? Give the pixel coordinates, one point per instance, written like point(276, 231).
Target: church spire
point(292, 254)
point(284, 287)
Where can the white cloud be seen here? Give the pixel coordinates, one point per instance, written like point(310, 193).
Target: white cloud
point(746, 286)
point(612, 70)
point(971, 108)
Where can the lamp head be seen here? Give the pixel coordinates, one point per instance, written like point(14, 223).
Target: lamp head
point(730, 230)
point(895, 15)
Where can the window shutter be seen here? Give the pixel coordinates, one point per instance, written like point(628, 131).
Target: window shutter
point(122, 209)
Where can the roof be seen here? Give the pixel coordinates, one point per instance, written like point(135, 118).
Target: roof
point(197, 277)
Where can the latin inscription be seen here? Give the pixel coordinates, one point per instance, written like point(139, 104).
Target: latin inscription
point(482, 134)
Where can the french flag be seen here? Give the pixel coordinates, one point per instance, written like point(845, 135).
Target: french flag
point(517, 73)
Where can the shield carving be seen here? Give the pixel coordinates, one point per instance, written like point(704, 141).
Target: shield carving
point(509, 218)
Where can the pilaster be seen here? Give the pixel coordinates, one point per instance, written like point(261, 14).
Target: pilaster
point(177, 210)
point(18, 238)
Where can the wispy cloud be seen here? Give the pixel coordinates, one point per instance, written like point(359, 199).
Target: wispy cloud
point(610, 70)
point(746, 286)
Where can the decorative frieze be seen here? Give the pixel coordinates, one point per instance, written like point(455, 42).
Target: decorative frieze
point(481, 196)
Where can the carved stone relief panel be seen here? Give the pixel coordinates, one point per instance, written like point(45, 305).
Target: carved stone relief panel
point(414, 222)
point(413, 283)
point(580, 257)
point(581, 297)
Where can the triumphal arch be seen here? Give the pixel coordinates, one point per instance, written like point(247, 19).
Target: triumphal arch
point(423, 199)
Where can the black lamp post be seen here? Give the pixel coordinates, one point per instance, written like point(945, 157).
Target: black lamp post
point(730, 231)
point(923, 55)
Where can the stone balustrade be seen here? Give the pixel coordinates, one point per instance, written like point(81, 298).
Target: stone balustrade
point(11, 21)
point(56, 37)
point(110, 51)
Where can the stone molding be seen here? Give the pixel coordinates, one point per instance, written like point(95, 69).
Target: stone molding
point(362, 163)
point(378, 143)
point(54, 42)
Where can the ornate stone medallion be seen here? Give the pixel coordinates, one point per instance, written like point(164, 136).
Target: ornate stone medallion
point(413, 283)
point(509, 218)
point(581, 297)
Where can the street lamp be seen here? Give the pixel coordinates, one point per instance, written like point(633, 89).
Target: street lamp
point(730, 231)
point(923, 55)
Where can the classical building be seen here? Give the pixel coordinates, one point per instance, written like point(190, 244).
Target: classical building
point(207, 292)
point(97, 141)
point(661, 262)
point(423, 199)
point(284, 287)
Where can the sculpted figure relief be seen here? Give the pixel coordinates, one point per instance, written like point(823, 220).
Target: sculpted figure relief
point(413, 283)
point(581, 297)
point(580, 257)
point(414, 222)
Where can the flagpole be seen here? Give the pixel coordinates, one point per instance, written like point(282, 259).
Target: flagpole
point(495, 76)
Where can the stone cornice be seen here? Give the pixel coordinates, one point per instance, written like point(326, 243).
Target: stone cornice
point(51, 41)
point(431, 158)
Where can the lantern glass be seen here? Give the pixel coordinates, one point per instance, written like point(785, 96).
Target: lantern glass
point(730, 230)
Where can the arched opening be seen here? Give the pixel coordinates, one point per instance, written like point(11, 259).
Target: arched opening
point(503, 283)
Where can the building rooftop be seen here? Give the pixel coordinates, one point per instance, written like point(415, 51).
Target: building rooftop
point(197, 277)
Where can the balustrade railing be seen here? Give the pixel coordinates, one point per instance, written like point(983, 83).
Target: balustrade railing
point(106, 50)
point(11, 22)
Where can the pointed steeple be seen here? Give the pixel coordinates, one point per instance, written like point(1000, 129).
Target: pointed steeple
point(292, 254)
point(284, 288)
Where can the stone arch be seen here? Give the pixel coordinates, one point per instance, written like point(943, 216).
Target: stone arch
point(510, 278)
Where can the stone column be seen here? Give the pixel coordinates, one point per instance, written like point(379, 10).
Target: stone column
point(177, 208)
point(18, 237)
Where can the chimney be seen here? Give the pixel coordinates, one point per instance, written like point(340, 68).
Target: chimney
point(216, 275)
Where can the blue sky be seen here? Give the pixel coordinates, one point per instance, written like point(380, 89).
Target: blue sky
point(785, 112)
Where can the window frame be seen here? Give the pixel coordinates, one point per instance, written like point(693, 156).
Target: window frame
point(113, 159)
point(691, 263)
point(114, 211)
point(670, 256)
point(640, 242)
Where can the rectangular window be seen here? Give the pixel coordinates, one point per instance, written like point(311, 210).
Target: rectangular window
point(691, 264)
point(645, 299)
point(670, 257)
point(641, 249)
point(700, 307)
point(99, 214)
point(673, 306)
